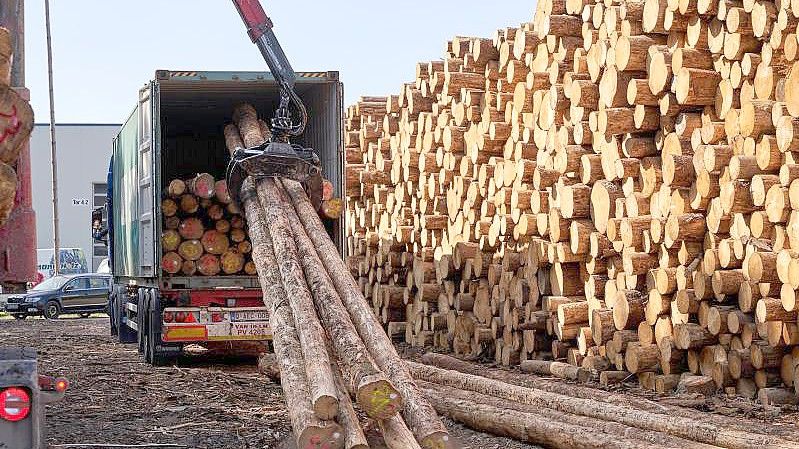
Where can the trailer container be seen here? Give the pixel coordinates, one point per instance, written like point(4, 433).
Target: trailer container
point(176, 131)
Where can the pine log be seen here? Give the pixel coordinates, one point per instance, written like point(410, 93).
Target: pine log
point(417, 411)
point(320, 378)
point(375, 395)
point(672, 425)
point(308, 428)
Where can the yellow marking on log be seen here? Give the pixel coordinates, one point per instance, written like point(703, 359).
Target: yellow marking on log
point(382, 400)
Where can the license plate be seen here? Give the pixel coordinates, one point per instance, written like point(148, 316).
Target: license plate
point(249, 315)
point(12, 306)
point(243, 329)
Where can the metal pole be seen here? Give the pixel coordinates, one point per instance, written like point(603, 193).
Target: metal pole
point(56, 235)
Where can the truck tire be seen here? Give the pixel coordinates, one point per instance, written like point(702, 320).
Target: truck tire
point(152, 334)
point(110, 310)
point(140, 313)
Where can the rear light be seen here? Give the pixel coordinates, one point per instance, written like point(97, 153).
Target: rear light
point(61, 385)
point(169, 317)
point(217, 317)
point(15, 404)
point(185, 317)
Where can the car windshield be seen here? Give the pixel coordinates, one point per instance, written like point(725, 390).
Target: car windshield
point(53, 283)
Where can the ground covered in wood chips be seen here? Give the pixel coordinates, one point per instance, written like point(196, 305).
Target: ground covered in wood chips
point(202, 402)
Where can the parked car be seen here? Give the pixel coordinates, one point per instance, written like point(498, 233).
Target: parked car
point(83, 294)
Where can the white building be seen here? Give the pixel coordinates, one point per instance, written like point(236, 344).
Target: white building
point(84, 151)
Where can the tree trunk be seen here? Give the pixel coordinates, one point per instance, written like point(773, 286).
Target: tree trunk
point(417, 411)
point(288, 350)
point(374, 393)
point(320, 378)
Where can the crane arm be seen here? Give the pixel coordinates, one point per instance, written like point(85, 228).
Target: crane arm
point(259, 27)
point(278, 157)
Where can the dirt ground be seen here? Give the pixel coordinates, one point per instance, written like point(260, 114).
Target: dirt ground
point(202, 402)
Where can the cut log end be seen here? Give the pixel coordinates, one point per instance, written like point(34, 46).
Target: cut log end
point(378, 398)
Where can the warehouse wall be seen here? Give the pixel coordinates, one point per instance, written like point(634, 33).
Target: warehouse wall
point(83, 155)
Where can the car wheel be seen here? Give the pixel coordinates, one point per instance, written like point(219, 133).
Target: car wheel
point(20, 316)
point(52, 310)
point(85, 315)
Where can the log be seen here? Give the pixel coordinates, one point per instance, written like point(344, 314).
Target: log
point(232, 261)
point(479, 412)
point(208, 265)
point(171, 262)
point(176, 188)
point(246, 119)
point(417, 411)
point(373, 392)
point(557, 369)
point(704, 385)
point(672, 425)
point(214, 242)
point(396, 434)
point(308, 428)
point(354, 437)
point(190, 250)
point(202, 186)
point(324, 396)
point(191, 228)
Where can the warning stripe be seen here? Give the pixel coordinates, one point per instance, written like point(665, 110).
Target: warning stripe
point(299, 74)
point(312, 74)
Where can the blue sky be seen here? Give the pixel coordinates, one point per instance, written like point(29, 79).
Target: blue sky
point(105, 50)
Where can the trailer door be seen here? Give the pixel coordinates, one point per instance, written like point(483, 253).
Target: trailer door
point(148, 123)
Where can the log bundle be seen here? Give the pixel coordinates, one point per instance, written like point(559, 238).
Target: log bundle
point(612, 185)
point(16, 124)
point(332, 354)
point(558, 415)
point(204, 233)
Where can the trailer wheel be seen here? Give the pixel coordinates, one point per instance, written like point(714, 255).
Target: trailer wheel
point(145, 333)
point(110, 310)
point(152, 354)
point(140, 313)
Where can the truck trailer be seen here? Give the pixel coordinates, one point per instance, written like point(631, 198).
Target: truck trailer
point(174, 131)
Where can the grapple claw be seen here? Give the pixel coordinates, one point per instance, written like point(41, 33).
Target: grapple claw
point(275, 160)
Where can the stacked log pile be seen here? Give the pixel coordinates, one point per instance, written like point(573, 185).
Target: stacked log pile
point(16, 124)
point(331, 352)
point(611, 186)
